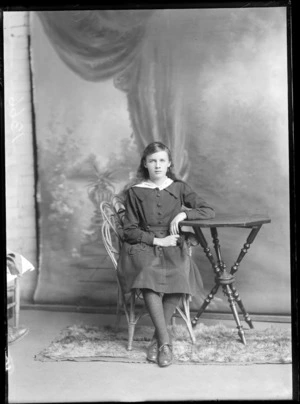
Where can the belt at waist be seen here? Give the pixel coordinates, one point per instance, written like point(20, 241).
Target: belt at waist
point(153, 228)
point(159, 231)
point(163, 231)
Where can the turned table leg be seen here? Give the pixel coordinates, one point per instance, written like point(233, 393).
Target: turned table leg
point(241, 306)
point(216, 267)
point(209, 298)
point(224, 278)
point(228, 292)
point(245, 248)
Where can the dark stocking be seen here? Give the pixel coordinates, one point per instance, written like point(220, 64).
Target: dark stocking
point(161, 311)
point(154, 306)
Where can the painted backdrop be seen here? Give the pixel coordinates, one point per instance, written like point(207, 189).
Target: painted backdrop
point(228, 91)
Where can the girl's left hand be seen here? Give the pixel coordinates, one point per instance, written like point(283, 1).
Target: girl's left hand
point(174, 228)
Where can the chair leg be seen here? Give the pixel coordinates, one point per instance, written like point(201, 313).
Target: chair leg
point(186, 305)
point(132, 321)
point(118, 319)
point(185, 314)
point(119, 310)
point(131, 328)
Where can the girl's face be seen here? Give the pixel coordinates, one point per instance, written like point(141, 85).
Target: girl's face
point(157, 165)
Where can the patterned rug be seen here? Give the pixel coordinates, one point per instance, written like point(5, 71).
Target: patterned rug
point(216, 344)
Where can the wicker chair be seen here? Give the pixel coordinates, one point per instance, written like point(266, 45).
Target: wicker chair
point(112, 234)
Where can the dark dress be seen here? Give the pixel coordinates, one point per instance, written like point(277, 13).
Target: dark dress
point(149, 213)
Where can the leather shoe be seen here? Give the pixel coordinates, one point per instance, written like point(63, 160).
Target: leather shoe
point(165, 355)
point(152, 351)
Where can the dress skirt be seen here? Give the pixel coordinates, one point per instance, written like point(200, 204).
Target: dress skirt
point(161, 269)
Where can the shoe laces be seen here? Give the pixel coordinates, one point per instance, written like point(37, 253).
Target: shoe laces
point(165, 347)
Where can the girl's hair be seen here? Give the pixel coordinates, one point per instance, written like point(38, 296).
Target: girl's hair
point(142, 172)
point(154, 147)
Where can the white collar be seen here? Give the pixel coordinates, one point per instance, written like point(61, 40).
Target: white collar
point(152, 185)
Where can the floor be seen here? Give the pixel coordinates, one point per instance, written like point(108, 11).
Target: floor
point(32, 381)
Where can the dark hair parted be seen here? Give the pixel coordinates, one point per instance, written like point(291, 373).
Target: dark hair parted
point(142, 172)
point(154, 147)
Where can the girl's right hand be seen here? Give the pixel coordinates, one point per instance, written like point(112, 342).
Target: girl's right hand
point(169, 241)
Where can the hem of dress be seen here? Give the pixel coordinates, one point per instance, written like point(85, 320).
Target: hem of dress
point(161, 290)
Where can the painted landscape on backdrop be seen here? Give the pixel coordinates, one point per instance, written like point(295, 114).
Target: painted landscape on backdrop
point(228, 94)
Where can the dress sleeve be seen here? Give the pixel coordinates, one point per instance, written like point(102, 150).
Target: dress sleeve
point(133, 233)
point(198, 208)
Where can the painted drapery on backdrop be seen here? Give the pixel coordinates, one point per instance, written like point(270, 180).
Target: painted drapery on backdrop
point(96, 44)
point(212, 84)
point(127, 46)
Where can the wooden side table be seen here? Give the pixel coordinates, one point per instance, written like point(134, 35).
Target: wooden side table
point(224, 278)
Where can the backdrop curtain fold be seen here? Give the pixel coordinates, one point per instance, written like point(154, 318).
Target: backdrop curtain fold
point(132, 48)
point(96, 44)
point(156, 93)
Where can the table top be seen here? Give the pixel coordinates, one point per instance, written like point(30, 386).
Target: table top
point(229, 220)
